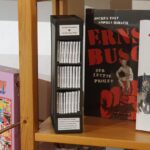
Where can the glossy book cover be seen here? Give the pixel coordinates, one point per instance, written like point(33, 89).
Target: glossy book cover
point(9, 107)
point(111, 62)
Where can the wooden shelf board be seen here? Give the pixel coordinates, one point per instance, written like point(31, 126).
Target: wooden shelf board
point(99, 132)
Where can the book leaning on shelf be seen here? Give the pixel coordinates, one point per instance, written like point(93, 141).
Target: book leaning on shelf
point(9, 108)
point(67, 39)
point(143, 107)
point(111, 62)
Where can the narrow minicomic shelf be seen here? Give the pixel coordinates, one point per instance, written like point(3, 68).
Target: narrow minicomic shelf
point(66, 79)
point(98, 132)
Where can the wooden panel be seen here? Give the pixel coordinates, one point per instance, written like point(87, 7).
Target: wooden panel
point(27, 11)
point(63, 7)
point(44, 95)
point(76, 7)
point(99, 132)
point(121, 4)
point(71, 7)
point(98, 4)
point(55, 7)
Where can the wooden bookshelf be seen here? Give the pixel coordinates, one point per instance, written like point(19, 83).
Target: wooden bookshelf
point(98, 132)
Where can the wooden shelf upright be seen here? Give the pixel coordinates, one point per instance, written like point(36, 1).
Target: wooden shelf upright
point(27, 15)
point(98, 132)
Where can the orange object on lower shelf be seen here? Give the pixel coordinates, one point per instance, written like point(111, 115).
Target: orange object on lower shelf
point(99, 132)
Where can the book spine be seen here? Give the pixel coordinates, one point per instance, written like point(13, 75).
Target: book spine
point(16, 115)
point(78, 52)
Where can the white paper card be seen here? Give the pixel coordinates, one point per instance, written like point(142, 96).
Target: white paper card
point(68, 124)
point(69, 30)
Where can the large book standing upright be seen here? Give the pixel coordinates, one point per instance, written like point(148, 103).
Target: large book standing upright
point(66, 78)
point(143, 111)
point(112, 43)
point(9, 108)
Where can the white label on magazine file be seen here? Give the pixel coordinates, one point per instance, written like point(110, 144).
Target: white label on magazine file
point(69, 30)
point(68, 124)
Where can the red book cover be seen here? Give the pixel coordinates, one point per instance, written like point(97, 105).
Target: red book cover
point(111, 62)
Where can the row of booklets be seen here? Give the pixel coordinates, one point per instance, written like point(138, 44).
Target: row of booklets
point(68, 76)
point(68, 102)
point(68, 51)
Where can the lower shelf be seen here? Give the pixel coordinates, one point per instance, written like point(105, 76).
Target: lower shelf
point(99, 132)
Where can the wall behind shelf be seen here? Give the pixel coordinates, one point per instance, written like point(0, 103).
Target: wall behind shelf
point(9, 47)
point(9, 27)
point(99, 4)
point(9, 35)
point(141, 4)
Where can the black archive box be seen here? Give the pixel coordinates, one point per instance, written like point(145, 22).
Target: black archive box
point(66, 73)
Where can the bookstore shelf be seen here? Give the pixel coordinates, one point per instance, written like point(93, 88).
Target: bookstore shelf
point(99, 132)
